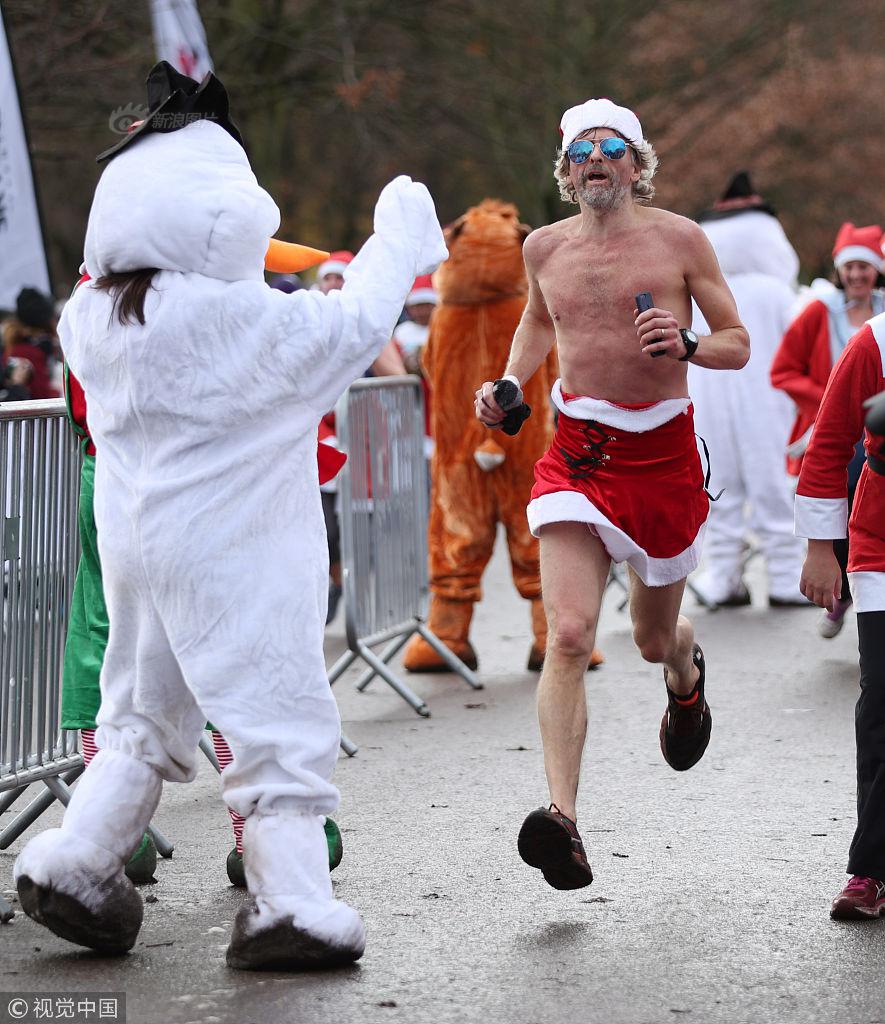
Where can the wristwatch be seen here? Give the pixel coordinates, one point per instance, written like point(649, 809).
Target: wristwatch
point(690, 340)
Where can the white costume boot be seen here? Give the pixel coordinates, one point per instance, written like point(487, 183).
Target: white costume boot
point(71, 879)
point(292, 921)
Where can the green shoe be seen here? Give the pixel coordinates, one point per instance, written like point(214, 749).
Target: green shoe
point(334, 842)
point(235, 870)
point(142, 864)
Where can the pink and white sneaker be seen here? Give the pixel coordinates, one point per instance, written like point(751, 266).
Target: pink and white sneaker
point(860, 899)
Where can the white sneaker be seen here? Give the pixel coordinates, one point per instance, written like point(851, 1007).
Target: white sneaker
point(831, 623)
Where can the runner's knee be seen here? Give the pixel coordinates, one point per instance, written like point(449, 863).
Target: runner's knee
point(654, 645)
point(571, 635)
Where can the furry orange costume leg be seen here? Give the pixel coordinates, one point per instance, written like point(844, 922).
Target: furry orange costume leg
point(460, 547)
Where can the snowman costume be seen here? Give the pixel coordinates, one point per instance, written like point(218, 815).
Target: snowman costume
point(744, 420)
point(211, 534)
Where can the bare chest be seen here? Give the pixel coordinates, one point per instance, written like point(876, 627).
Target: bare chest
point(585, 288)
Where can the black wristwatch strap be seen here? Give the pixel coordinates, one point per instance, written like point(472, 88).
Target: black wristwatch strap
point(690, 346)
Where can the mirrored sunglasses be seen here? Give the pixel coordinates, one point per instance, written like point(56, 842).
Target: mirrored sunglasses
point(580, 150)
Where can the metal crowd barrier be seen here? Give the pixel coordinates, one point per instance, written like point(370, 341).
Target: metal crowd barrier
point(383, 512)
point(39, 548)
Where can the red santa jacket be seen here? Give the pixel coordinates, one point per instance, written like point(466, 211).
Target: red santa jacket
point(802, 366)
point(822, 494)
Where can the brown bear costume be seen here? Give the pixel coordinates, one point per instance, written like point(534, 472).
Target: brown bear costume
point(480, 477)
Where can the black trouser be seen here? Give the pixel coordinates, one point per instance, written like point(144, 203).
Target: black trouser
point(867, 853)
point(840, 547)
point(332, 530)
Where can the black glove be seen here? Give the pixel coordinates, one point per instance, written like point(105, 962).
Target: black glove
point(509, 396)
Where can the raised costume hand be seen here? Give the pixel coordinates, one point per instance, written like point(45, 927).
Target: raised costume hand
point(405, 208)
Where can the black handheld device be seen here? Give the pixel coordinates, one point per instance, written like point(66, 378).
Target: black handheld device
point(509, 396)
point(643, 302)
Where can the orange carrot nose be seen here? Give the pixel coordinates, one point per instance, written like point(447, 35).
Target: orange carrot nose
point(290, 258)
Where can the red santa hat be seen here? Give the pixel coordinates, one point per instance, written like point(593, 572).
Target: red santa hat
point(422, 291)
point(600, 114)
point(335, 264)
point(859, 244)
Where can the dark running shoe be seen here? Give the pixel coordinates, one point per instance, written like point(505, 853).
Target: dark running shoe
point(861, 898)
point(549, 841)
point(685, 727)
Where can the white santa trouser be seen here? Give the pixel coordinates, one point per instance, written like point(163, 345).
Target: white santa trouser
point(746, 424)
point(207, 503)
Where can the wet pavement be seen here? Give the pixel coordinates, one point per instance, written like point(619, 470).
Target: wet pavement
point(712, 886)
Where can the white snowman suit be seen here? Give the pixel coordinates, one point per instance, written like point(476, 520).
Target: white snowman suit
point(744, 420)
point(208, 510)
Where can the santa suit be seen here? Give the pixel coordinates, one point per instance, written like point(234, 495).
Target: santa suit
point(822, 513)
point(743, 419)
point(207, 506)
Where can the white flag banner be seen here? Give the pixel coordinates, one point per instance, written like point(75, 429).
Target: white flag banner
point(180, 37)
point(22, 256)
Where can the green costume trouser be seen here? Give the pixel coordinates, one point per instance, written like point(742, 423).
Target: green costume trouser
point(88, 622)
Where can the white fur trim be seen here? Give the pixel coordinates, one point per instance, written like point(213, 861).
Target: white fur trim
point(69, 863)
point(877, 326)
point(487, 461)
point(637, 421)
point(287, 869)
point(858, 252)
point(601, 113)
point(868, 591)
point(572, 507)
point(421, 295)
point(820, 518)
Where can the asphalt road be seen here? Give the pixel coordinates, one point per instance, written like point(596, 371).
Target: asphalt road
point(712, 887)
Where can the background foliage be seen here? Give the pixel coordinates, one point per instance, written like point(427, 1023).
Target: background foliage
point(334, 97)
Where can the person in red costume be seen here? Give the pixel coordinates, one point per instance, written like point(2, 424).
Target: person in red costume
point(822, 516)
point(30, 342)
point(810, 348)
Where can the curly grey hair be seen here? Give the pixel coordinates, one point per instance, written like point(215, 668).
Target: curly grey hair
point(644, 157)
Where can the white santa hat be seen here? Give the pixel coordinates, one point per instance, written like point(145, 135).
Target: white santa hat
point(600, 114)
point(422, 291)
point(335, 264)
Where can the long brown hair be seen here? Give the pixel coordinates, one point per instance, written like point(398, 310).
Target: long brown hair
point(129, 290)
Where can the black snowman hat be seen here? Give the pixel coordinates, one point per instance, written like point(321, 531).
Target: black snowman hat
point(175, 101)
point(739, 197)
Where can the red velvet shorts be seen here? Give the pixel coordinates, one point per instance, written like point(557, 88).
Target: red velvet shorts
point(638, 484)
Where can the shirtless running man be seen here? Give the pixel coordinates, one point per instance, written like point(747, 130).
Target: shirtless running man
point(622, 479)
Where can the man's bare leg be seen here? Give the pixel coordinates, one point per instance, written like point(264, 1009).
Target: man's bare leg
point(666, 637)
point(574, 570)
point(662, 635)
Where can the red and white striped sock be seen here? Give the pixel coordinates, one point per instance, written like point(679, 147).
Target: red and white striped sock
point(87, 742)
point(224, 755)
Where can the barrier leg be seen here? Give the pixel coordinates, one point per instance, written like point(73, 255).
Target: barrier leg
point(209, 751)
point(389, 651)
point(7, 801)
point(164, 847)
point(24, 819)
point(347, 746)
point(614, 576)
point(452, 660)
point(342, 665)
point(411, 698)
